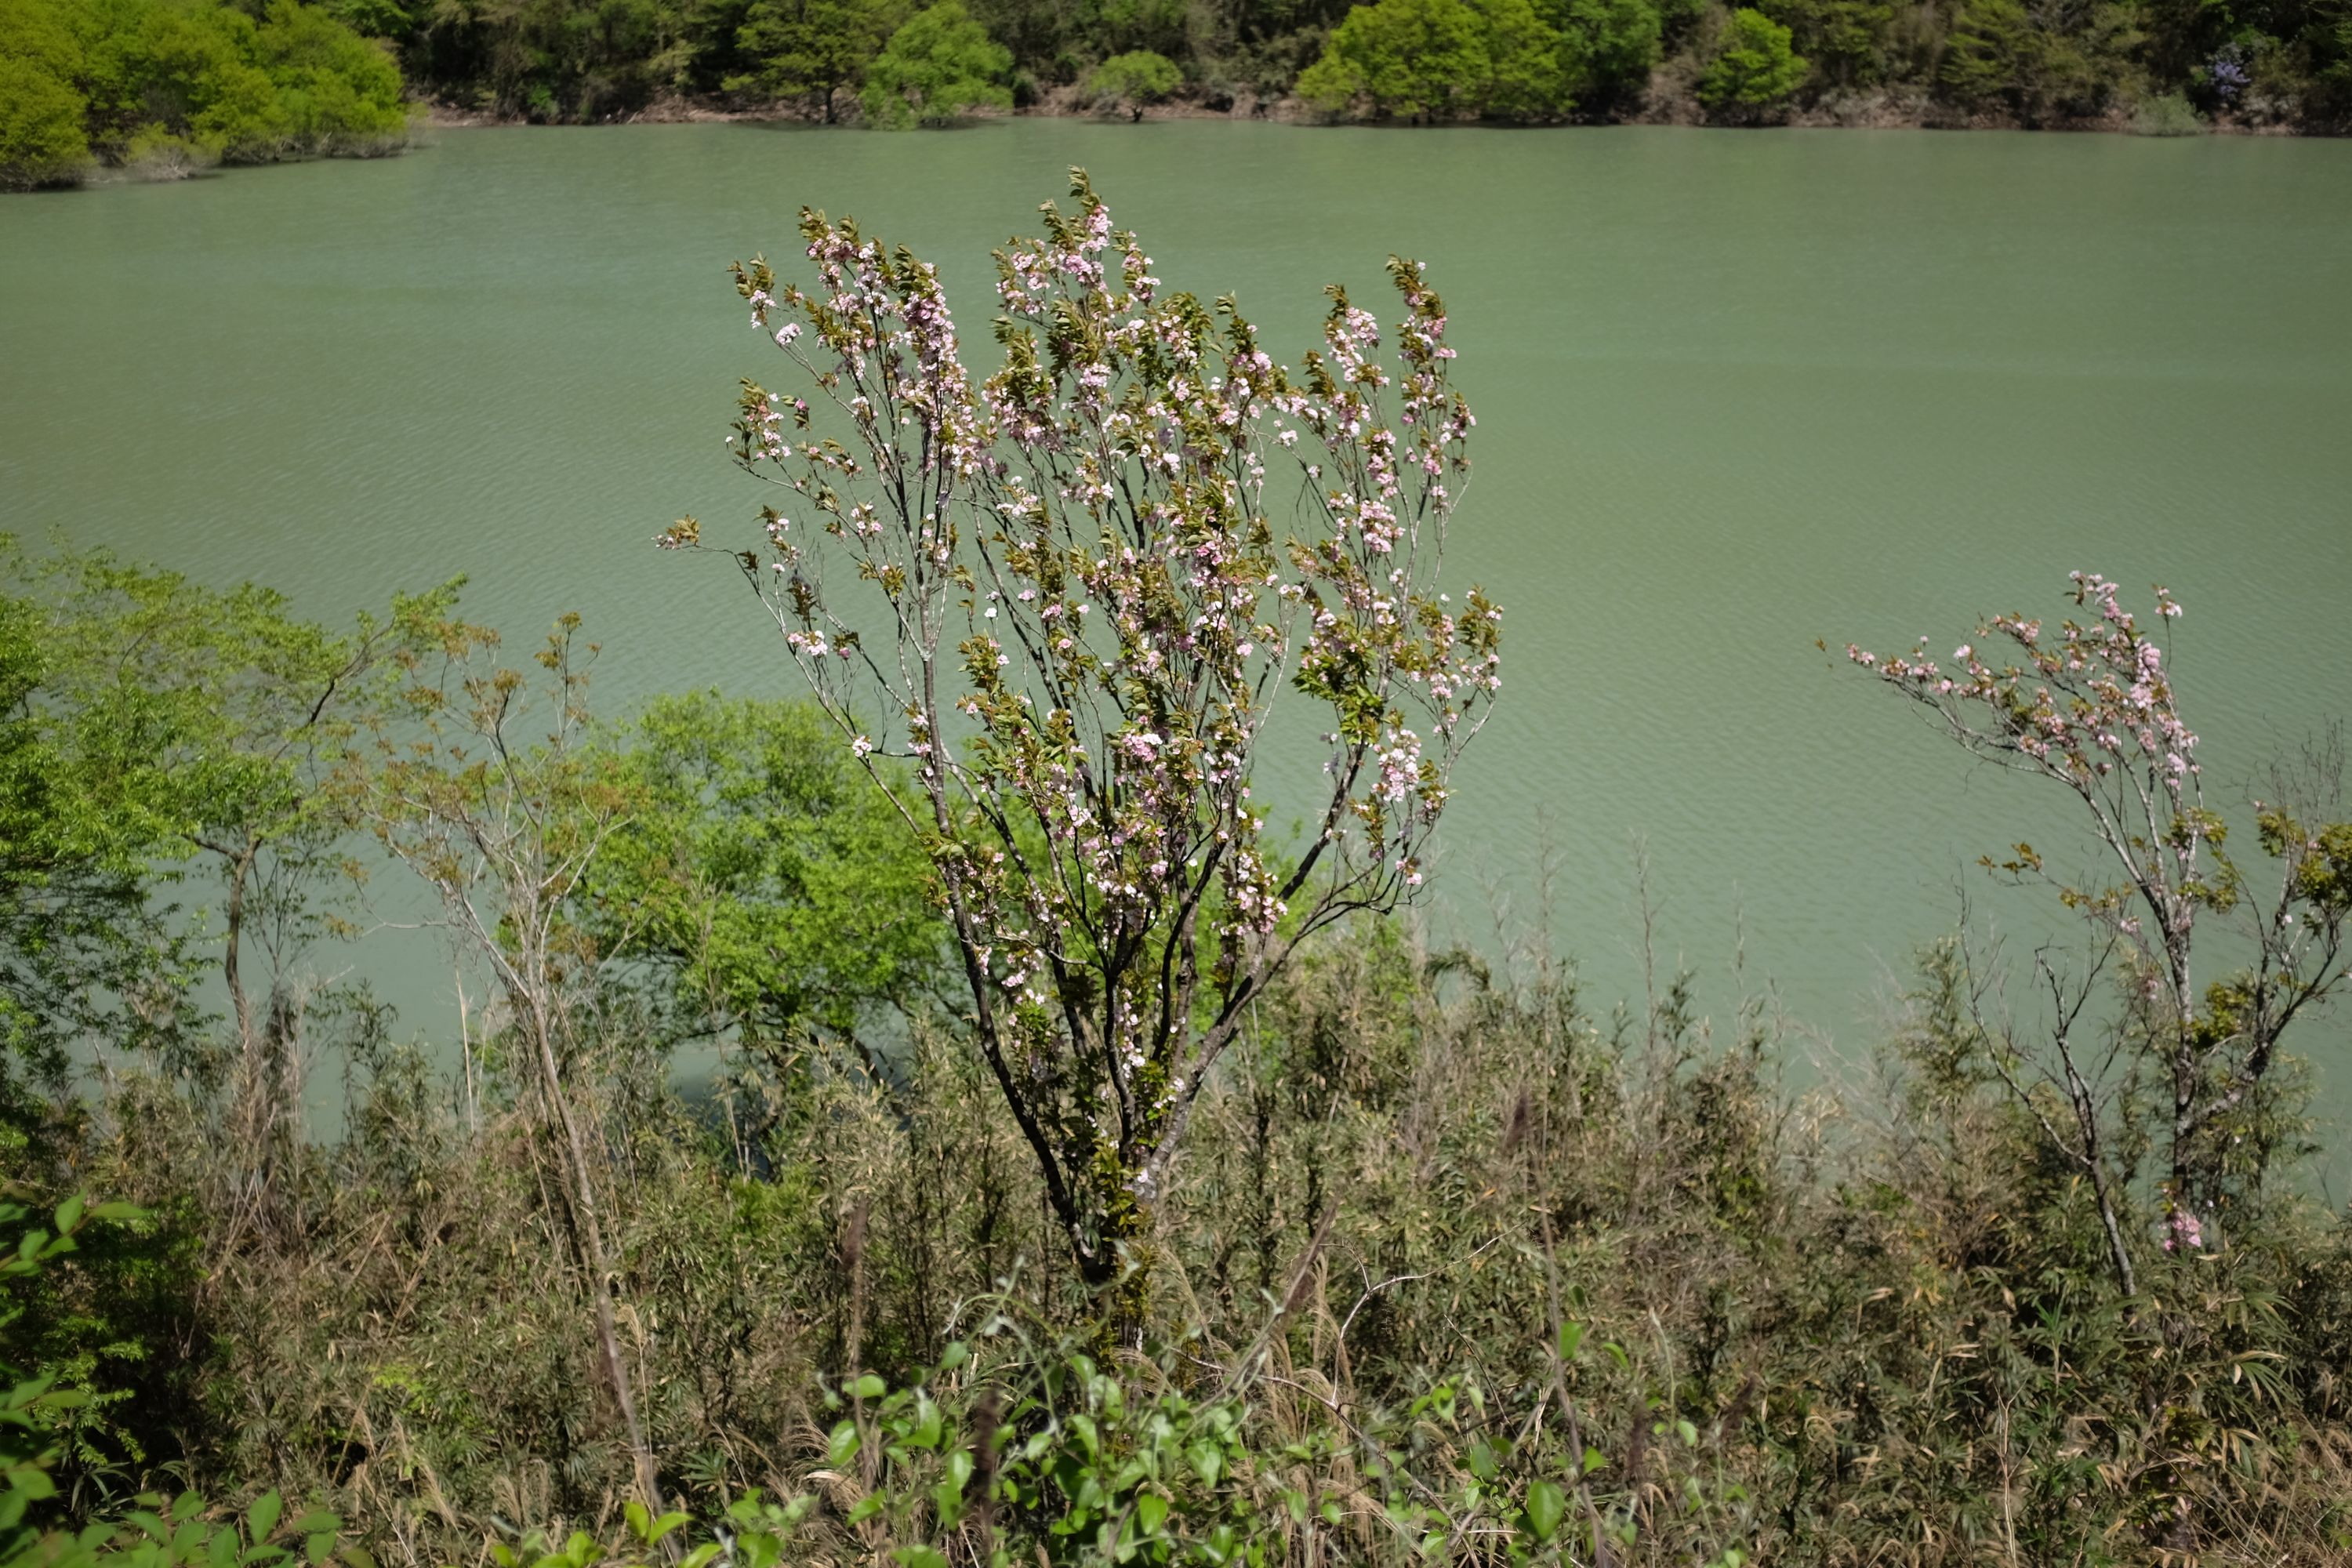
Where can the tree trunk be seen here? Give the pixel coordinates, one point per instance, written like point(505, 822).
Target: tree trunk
point(595, 1263)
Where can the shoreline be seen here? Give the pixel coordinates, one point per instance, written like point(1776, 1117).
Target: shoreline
point(1879, 110)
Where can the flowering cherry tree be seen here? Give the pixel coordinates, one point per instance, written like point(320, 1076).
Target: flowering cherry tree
point(1081, 585)
point(2090, 705)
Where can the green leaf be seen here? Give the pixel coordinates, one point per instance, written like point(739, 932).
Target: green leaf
point(1150, 1512)
point(843, 1448)
point(1207, 1459)
point(869, 1387)
point(263, 1517)
point(867, 1507)
point(70, 1213)
point(316, 1545)
point(919, 1557)
point(1546, 1506)
point(664, 1525)
point(1571, 1340)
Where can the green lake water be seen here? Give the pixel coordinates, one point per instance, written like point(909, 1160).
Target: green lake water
point(1736, 391)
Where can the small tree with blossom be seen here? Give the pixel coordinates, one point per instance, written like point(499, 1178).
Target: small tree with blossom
point(1085, 580)
point(2091, 707)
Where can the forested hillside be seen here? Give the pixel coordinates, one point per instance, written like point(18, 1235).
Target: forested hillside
point(2262, 62)
point(170, 84)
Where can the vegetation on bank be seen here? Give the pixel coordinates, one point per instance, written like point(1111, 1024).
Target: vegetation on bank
point(1455, 1267)
point(2285, 63)
point(163, 88)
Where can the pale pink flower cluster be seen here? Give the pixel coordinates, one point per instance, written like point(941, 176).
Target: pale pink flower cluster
point(2094, 701)
point(2092, 707)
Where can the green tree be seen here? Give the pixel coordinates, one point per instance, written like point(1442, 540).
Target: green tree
point(1845, 39)
point(760, 889)
point(936, 67)
point(1994, 50)
point(1440, 60)
point(42, 141)
point(1756, 68)
point(1607, 47)
point(200, 75)
point(1126, 26)
point(43, 112)
point(1134, 81)
point(2000, 58)
point(813, 50)
point(1416, 59)
point(569, 59)
point(161, 729)
point(1524, 57)
point(501, 810)
point(338, 91)
point(84, 821)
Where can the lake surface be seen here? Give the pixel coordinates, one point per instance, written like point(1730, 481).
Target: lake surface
point(1737, 392)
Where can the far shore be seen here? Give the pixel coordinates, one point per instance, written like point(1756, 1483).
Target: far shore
point(1666, 105)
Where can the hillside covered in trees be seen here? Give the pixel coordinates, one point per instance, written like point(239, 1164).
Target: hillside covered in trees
point(164, 85)
point(2282, 62)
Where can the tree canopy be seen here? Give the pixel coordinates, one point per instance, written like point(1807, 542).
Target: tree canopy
point(1441, 59)
point(80, 82)
point(1756, 68)
point(1134, 81)
point(942, 64)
